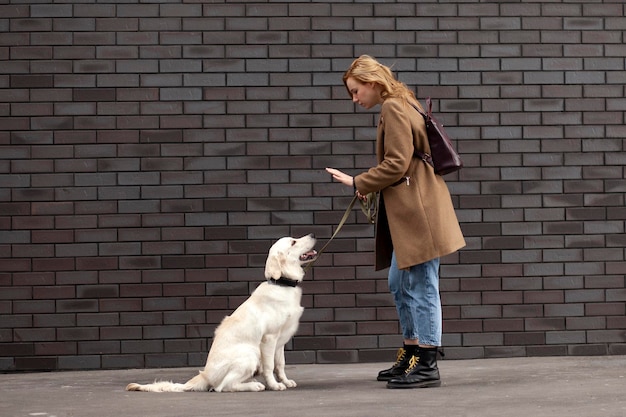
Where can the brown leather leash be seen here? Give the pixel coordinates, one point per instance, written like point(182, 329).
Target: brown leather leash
point(368, 207)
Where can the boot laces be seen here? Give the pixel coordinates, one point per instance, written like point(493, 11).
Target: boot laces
point(412, 364)
point(400, 355)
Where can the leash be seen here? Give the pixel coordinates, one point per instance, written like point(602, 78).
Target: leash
point(368, 207)
point(339, 226)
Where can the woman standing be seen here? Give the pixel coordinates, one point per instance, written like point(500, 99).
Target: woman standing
point(416, 223)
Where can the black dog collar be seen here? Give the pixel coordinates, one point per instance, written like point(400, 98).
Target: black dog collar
point(284, 282)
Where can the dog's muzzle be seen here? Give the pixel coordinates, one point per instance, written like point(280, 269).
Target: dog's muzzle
point(308, 256)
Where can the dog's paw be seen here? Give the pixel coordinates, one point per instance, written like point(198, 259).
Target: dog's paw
point(257, 386)
point(279, 386)
point(290, 383)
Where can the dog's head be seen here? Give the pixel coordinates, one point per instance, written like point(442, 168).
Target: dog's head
point(287, 255)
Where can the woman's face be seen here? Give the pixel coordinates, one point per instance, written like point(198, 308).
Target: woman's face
point(367, 95)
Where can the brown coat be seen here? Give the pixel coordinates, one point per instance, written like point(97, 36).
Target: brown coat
point(417, 220)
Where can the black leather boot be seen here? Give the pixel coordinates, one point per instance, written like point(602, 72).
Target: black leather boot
point(398, 368)
point(421, 373)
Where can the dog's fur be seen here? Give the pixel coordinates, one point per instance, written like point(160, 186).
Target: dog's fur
point(252, 339)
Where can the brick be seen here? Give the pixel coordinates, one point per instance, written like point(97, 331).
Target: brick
point(170, 303)
point(76, 277)
point(77, 306)
point(604, 309)
point(144, 346)
point(42, 363)
point(55, 348)
point(186, 346)
point(56, 292)
point(163, 332)
point(169, 360)
point(335, 356)
point(45, 278)
point(32, 335)
point(525, 311)
point(584, 323)
point(78, 333)
point(80, 362)
point(615, 322)
point(201, 330)
point(481, 339)
point(503, 325)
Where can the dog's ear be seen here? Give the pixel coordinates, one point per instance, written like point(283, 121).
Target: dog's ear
point(274, 265)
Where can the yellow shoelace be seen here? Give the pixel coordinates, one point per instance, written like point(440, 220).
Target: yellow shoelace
point(412, 363)
point(399, 356)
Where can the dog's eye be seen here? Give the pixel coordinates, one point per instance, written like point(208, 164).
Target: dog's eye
point(293, 242)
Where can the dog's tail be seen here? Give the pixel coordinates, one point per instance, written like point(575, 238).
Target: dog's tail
point(197, 383)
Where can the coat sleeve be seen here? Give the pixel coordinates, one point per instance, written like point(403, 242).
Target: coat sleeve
point(397, 148)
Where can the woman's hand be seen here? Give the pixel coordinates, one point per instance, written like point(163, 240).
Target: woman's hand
point(341, 177)
point(345, 179)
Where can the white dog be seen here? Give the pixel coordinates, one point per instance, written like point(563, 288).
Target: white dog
point(253, 338)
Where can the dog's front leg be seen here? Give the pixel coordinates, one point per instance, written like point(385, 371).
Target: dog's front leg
point(279, 364)
point(268, 349)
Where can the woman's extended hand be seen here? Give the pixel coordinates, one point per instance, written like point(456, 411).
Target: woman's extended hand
point(341, 177)
point(344, 179)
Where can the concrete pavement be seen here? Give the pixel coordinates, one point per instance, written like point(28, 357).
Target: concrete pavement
point(512, 387)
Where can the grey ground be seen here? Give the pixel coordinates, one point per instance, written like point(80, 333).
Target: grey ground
point(546, 386)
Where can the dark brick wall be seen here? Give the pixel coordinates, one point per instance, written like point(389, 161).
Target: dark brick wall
point(151, 152)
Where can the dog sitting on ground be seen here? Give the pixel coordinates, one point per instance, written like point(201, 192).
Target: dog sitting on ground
point(252, 339)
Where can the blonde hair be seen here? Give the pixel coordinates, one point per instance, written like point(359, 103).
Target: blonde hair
point(366, 69)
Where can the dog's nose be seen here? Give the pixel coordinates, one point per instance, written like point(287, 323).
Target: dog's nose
point(312, 235)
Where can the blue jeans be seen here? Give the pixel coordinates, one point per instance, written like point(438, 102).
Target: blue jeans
point(416, 294)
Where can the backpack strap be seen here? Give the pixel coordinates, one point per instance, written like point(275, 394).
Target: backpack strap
point(423, 155)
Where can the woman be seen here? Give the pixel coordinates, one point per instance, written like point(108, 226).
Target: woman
point(416, 223)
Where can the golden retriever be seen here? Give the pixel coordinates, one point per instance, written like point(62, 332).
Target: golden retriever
point(252, 339)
